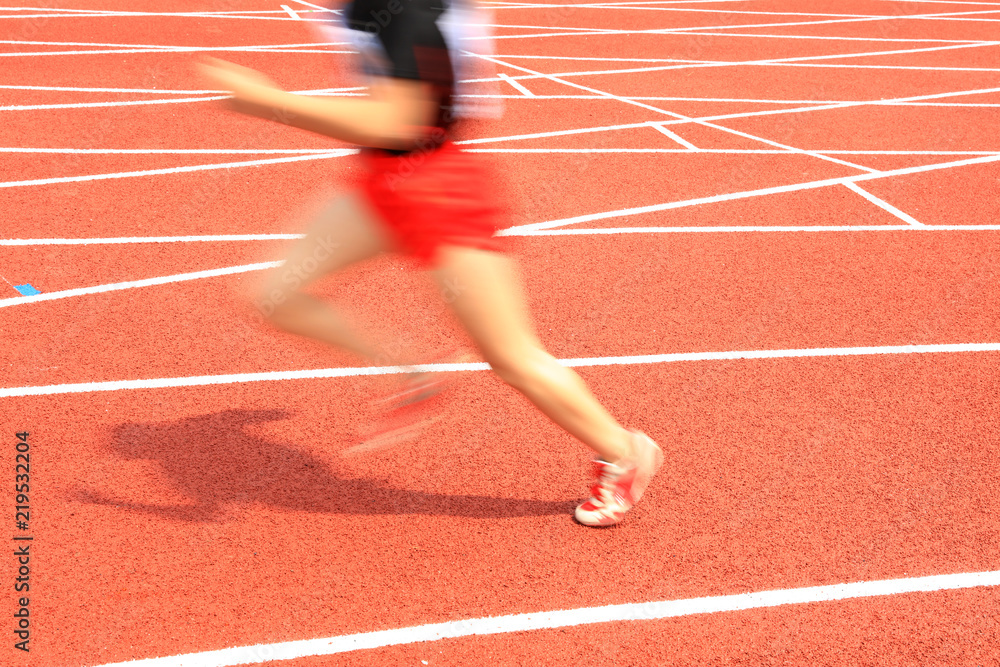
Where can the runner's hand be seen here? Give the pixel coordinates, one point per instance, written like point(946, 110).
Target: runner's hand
point(246, 85)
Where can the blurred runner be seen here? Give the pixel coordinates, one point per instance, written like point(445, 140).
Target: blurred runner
point(424, 197)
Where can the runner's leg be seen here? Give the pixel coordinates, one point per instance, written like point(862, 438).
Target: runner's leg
point(485, 293)
point(345, 232)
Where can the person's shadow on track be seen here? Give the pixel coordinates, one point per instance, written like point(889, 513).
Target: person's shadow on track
point(214, 462)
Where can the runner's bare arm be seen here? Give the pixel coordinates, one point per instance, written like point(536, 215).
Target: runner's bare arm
point(394, 116)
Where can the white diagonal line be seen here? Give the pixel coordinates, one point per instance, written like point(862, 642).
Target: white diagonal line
point(788, 148)
point(634, 612)
point(515, 84)
point(676, 137)
point(794, 187)
point(682, 118)
point(884, 205)
point(124, 103)
point(132, 284)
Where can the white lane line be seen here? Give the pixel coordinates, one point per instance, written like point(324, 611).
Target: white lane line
point(245, 15)
point(155, 91)
point(173, 47)
point(117, 12)
point(719, 151)
point(886, 67)
point(597, 231)
point(193, 49)
point(951, 2)
point(651, 98)
point(696, 32)
point(122, 240)
point(884, 205)
point(132, 284)
point(221, 238)
point(177, 170)
point(794, 187)
point(524, 91)
point(126, 103)
point(645, 98)
point(319, 151)
point(676, 137)
point(179, 151)
point(642, 611)
point(151, 91)
point(322, 373)
point(130, 103)
point(291, 12)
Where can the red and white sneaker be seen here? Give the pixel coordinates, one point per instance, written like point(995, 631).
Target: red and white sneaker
point(618, 487)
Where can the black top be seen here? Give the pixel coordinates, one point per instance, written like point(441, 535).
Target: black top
point(408, 44)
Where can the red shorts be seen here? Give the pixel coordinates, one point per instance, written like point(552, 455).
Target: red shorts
point(432, 198)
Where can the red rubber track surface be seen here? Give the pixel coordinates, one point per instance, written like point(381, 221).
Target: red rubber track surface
point(171, 521)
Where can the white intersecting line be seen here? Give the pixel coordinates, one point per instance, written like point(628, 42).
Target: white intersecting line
point(682, 118)
point(536, 135)
point(291, 12)
point(507, 78)
point(545, 27)
point(790, 149)
point(534, 228)
point(749, 114)
point(114, 287)
point(774, 63)
point(524, 91)
point(749, 63)
point(673, 135)
point(952, 16)
point(647, 5)
point(881, 203)
point(695, 29)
